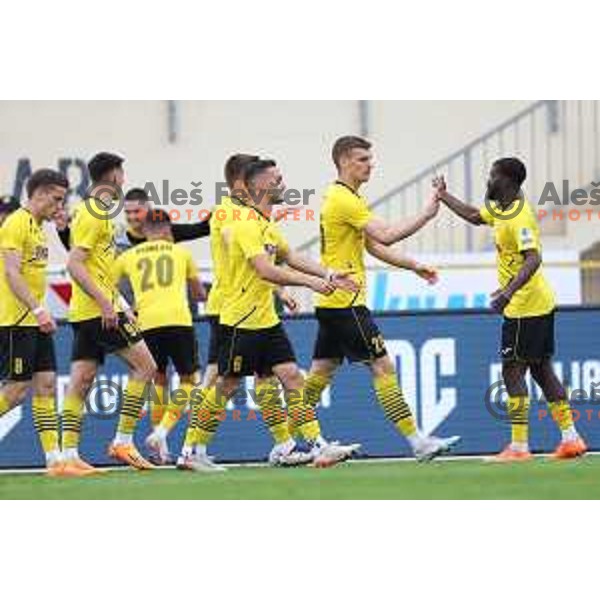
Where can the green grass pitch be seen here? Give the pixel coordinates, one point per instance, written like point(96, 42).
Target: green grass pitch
point(456, 479)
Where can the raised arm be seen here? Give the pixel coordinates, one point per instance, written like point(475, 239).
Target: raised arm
point(389, 234)
point(18, 286)
point(465, 211)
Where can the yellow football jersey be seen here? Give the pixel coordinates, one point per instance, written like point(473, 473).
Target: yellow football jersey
point(97, 236)
point(22, 233)
point(158, 272)
point(250, 303)
point(221, 216)
point(513, 235)
point(344, 214)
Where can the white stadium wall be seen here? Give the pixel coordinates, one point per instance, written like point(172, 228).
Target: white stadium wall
point(408, 136)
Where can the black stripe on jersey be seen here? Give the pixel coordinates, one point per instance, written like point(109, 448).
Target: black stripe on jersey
point(338, 182)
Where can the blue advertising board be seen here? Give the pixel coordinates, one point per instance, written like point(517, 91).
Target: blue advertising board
point(447, 363)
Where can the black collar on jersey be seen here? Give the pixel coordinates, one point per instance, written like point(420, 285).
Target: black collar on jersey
point(133, 238)
point(251, 207)
point(338, 182)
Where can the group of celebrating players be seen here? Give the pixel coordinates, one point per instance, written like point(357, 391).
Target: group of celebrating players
point(131, 297)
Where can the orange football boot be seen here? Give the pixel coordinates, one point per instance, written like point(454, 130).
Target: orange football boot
point(570, 450)
point(69, 469)
point(128, 454)
point(509, 455)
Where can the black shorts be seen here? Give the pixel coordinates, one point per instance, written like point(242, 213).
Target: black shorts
point(246, 352)
point(92, 342)
point(214, 341)
point(177, 344)
point(25, 351)
point(528, 338)
point(348, 333)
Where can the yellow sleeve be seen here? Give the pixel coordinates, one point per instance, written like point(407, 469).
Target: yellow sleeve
point(13, 235)
point(190, 266)
point(486, 215)
point(525, 232)
point(247, 235)
point(353, 211)
point(85, 229)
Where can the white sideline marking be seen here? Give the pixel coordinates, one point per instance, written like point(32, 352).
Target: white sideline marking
point(251, 465)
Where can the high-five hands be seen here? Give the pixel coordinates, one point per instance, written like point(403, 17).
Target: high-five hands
point(439, 185)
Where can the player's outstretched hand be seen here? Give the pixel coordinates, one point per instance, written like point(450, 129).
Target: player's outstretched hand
point(321, 286)
point(433, 206)
point(439, 184)
point(288, 301)
point(429, 274)
point(45, 321)
point(343, 281)
point(500, 300)
point(110, 318)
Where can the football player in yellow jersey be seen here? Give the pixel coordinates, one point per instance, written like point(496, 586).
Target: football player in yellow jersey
point(160, 272)
point(526, 300)
point(346, 327)
point(27, 358)
point(252, 339)
point(234, 168)
point(265, 386)
point(100, 323)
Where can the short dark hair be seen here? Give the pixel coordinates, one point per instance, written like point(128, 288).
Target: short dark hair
point(156, 217)
point(512, 168)
point(345, 144)
point(236, 165)
point(102, 163)
point(138, 194)
point(43, 178)
point(256, 168)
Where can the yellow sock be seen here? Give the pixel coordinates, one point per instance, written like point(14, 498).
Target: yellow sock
point(4, 404)
point(394, 405)
point(208, 415)
point(71, 421)
point(191, 433)
point(45, 421)
point(176, 406)
point(157, 405)
point(302, 415)
point(561, 413)
point(314, 385)
point(268, 398)
point(518, 410)
point(133, 402)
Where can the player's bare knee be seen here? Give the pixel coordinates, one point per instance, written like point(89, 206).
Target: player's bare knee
point(228, 386)
point(324, 368)
point(382, 366)
point(82, 378)
point(16, 392)
point(44, 384)
point(290, 376)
